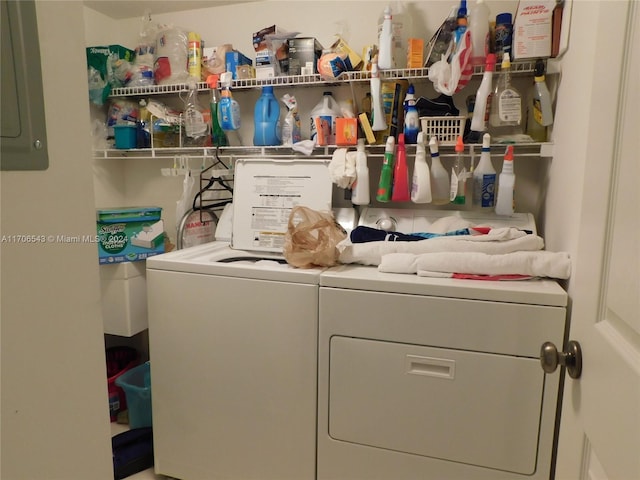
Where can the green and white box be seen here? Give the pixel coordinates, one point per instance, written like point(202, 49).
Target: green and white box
point(129, 234)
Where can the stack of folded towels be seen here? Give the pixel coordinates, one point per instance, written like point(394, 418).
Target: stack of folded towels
point(453, 248)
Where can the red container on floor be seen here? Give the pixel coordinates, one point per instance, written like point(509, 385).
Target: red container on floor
point(119, 360)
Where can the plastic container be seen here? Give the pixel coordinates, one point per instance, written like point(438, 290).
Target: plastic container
point(440, 185)
point(136, 384)
point(324, 114)
point(484, 177)
point(228, 108)
point(266, 119)
point(385, 184)
point(126, 136)
point(446, 129)
point(411, 117)
point(194, 55)
point(504, 34)
point(360, 189)
point(401, 189)
point(385, 42)
point(480, 117)
point(421, 179)
point(119, 360)
point(458, 176)
point(479, 27)
point(505, 204)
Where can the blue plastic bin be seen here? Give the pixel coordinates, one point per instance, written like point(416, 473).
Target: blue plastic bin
point(136, 384)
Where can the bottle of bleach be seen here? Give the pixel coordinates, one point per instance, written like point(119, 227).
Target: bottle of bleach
point(266, 119)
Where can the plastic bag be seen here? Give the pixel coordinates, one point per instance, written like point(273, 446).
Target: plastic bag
point(311, 238)
point(145, 54)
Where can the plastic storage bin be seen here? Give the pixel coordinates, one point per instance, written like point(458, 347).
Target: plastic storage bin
point(119, 360)
point(136, 384)
point(126, 136)
point(446, 129)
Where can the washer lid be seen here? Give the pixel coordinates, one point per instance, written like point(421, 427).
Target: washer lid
point(265, 191)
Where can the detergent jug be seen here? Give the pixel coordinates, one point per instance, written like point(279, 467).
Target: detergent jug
point(266, 119)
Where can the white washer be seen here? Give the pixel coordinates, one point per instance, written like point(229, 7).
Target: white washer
point(233, 342)
point(435, 378)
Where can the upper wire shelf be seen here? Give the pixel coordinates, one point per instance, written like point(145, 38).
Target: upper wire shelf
point(517, 67)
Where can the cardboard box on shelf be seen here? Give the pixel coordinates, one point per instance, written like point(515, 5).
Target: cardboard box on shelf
point(301, 51)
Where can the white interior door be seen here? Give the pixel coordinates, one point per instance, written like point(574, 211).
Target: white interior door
point(600, 425)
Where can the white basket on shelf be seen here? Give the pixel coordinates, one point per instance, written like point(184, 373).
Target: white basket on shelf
point(447, 129)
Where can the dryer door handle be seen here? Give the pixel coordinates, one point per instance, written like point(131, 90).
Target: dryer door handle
point(430, 366)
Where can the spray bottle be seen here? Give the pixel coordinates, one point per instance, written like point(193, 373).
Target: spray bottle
point(386, 175)
point(506, 185)
point(218, 137)
point(228, 109)
point(411, 117)
point(421, 180)
point(401, 191)
point(484, 177)
point(385, 42)
point(379, 123)
point(440, 184)
point(360, 189)
point(458, 176)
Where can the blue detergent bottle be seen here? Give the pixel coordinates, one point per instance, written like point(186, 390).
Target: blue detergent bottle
point(266, 119)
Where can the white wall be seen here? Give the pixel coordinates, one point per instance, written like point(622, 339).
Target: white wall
point(55, 413)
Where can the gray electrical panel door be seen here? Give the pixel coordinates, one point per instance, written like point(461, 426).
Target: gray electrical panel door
point(23, 135)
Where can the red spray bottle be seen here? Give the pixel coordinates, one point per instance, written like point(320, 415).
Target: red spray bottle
point(401, 191)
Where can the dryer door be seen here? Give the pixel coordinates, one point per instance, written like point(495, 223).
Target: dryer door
point(468, 407)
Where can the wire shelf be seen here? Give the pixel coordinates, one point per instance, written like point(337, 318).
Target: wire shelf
point(517, 67)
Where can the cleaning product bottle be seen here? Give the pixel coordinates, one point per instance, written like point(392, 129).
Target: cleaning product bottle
point(540, 112)
point(194, 55)
point(323, 120)
point(196, 125)
point(458, 176)
point(400, 191)
point(483, 96)
point(421, 179)
point(386, 175)
point(506, 103)
point(218, 137)
point(144, 126)
point(266, 119)
point(505, 204)
point(479, 27)
point(360, 189)
point(385, 42)
point(228, 109)
point(484, 177)
point(379, 122)
point(411, 117)
point(461, 22)
point(440, 184)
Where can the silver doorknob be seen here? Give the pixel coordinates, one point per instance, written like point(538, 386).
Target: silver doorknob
point(550, 358)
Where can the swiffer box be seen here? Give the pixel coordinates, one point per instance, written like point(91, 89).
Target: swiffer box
point(129, 234)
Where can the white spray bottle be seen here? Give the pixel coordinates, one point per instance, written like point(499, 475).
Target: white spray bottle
point(379, 123)
point(360, 189)
point(484, 177)
point(440, 185)
point(421, 180)
point(385, 42)
point(506, 185)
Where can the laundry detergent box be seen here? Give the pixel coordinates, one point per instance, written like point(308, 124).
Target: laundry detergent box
point(129, 234)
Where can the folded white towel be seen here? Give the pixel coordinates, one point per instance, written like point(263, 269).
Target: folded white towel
point(497, 241)
point(533, 263)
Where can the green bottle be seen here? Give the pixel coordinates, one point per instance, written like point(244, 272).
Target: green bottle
point(218, 137)
point(386, 175)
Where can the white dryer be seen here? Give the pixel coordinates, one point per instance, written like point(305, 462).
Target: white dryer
point(233, 340)
point(434, 378)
